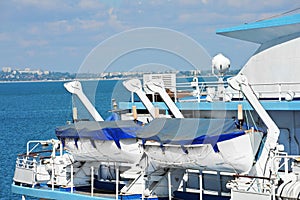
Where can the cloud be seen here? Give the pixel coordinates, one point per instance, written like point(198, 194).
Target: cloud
point(34, 30)
point(113, 20)
point(4, 37)
point(253, 4)
point(90, 4)
point(44, 4)
point(56, 24)
point(60, 27)
point(32, 43)
point(229, 12)
point(30, 53)
point(81, 16)
point(191, 2)
point(89, 24)
point(236, 7)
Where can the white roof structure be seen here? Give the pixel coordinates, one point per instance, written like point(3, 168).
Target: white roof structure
point(273, 71)
point(263, 31)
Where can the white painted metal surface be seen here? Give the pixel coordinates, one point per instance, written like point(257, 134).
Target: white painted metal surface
point(75, 87)
point(235, 155)
point(105, 151)
point(158, 87)
point(134, 85)
point(240, 83)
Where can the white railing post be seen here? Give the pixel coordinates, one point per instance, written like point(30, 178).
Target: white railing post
point(52, 175)
point(279, 91)
point(28, 151)
point(61, 148)
point(34, 172)
point(72, 179)
point(117, 181)
point(92, 181)
point(184, 180)
point(273, 191)
point(169, 185)
point(143, 183)
point(286, 166)
point(132, 97)
point(200, 185)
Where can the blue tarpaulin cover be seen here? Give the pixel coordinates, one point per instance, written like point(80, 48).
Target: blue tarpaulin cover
point(163, 130)
point(190, 131)
point(106, 130)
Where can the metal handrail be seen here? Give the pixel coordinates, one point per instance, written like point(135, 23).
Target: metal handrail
point(282, 90)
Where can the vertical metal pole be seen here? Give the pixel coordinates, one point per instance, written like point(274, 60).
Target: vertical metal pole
point(72, 184)
point(169, 185)
point(200, 185)
point(286, 166)
point(117, 181)
point(279, 91)
point(34, 175)
point(143, 184)
point(175, 95)
point(219, 183)
point(273, 191)
point(52, 158)
point(27, 148)
point(184, 180)
point(143, 176)
point(132, 97)
point(52, 176)
point(92, 181)
point(61, 148)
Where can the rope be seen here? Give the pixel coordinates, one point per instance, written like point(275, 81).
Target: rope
point(249, 113)
point(252, 119)
point(247, 121)
point(278, 15)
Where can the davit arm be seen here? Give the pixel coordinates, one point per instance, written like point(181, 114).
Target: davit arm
point(134, 85)
point(74, 87)
point(157, 86)
point(263, 164)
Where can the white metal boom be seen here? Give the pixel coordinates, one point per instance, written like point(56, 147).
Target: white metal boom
point(134, 85)
point(263, 165)
point(157, 86)
point(75, 87)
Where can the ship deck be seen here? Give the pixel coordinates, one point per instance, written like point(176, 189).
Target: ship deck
point(268, 105)
point(47, 193)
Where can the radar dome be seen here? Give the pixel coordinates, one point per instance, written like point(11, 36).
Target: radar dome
point(220, 63)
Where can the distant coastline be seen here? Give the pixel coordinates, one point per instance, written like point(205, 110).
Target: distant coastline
point(60, 80)
point(8, 75)
point(35, 81)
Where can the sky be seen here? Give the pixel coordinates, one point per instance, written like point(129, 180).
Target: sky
point(58, 35)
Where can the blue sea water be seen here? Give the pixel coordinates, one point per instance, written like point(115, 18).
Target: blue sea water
point(32, 110)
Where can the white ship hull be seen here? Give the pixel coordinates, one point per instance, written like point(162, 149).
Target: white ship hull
point(104, 150)
point(235, 155)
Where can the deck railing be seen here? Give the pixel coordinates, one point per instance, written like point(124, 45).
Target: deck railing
point(277, 90)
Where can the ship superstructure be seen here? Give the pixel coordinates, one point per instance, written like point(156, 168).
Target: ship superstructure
point(235, 137)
